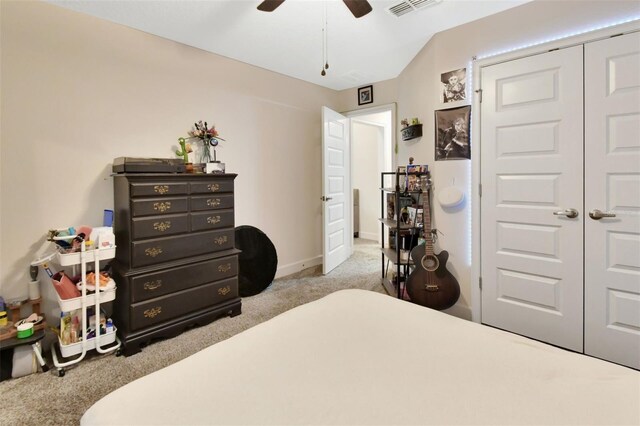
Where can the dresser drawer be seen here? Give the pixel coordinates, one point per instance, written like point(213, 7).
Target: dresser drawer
point(170, 306)
point(210, 202)
point(159, 226)
point(210, 187)
point(149, 286)
point(157, 189)
point(158, 250)
point(146, 207)
point(212, 220)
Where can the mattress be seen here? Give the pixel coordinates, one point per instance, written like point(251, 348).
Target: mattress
point(357, 357)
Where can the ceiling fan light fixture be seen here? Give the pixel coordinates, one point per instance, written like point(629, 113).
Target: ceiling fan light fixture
point(358, 8)
point(269, 5)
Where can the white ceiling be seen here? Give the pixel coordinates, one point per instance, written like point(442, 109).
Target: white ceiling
point(373, 48)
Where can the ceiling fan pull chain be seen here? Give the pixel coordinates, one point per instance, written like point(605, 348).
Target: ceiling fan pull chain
point(326, 38)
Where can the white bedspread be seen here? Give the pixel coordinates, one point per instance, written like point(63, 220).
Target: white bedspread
point(361, 358)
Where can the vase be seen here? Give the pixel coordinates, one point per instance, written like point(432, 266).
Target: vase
point(205, 154)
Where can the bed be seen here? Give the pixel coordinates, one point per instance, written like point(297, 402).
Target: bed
point(357, 357)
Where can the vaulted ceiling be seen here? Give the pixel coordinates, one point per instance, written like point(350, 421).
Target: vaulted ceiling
point(289, 40)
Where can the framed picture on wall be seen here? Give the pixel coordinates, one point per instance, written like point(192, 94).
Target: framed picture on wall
point(454, 85)
point(365, 95)
point(452, 134)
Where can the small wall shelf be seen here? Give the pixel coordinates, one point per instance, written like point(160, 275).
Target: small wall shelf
point(411, 132)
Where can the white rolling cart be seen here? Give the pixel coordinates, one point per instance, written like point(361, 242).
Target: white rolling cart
point(83, 302)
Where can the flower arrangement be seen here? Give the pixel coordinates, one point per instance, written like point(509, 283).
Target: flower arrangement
point(208, 136)
point(405, 122)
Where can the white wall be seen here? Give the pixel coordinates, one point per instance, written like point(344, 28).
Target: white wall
point(366, 148)
point(78, 91)
point(417, 88)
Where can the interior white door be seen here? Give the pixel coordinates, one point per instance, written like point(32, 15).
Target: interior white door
point(336, 190)
point(612, 185)
point(532, 167)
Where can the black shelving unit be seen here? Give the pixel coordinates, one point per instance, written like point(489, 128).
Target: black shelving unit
point(404, 236)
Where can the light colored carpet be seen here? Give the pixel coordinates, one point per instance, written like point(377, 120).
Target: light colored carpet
point(45, 398)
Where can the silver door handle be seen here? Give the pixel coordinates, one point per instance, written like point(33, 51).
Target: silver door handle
point(596, 214)
point(570, 213)
point(323, 198)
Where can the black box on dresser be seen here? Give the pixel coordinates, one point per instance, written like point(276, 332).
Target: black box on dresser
point(176, 265)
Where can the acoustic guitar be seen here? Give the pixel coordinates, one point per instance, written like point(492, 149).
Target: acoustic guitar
point(430, 284)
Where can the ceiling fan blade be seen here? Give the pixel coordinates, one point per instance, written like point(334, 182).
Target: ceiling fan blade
point(359, 8)
point(269, 5)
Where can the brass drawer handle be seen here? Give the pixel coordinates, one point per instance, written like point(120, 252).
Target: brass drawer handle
point(213, 202)
point(221, 240)
point(212, 220)
point(162, 207)
point(153, 252)
point(152, 285)
point(224, 268)
point(162, 226)
point(213, 187)
point(161, 189)
point(224, 290)
point(153, 312)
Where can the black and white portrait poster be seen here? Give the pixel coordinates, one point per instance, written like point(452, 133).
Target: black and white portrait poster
point(453, 85)
point(452, 134)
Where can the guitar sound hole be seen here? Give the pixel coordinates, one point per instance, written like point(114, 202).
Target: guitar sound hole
point(430, 262)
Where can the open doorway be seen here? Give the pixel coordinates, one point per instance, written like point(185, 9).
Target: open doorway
point(372, 142)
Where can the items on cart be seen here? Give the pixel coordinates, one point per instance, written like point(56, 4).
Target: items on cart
point(71, 330)
point(80, 296)
point(70, 240)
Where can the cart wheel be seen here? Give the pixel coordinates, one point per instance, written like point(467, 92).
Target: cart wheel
point(61, 372)
point(45, 368)
point(119, 352)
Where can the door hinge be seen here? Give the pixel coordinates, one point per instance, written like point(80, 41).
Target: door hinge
point(480, 282)
point(479, 92)
point(480, 189)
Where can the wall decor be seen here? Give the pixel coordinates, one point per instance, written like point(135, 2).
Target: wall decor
point(365, 95)
point(411, 131)
point(453, 85)
point(452, 134)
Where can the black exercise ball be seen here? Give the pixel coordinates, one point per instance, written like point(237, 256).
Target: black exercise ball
point(257, 262)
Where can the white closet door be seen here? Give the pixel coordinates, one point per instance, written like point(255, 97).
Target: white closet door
point(612, 184)
point(532, 167)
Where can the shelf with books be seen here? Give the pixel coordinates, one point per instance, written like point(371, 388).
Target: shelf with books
point(400, 224)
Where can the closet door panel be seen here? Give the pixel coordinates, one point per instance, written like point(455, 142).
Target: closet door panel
point(532, 167)
point(612, 185)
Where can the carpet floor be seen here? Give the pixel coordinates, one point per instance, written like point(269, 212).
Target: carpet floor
point(46, 399)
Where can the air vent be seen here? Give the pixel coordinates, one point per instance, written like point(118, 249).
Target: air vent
point(407, 6)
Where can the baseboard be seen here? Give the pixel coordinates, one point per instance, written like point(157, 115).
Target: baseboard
point(460, 311)
point(369, 236)
point(295, 267)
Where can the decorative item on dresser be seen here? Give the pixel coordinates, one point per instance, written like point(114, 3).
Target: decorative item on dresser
point(176, 265)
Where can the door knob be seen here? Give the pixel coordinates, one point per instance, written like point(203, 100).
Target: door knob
point(570, 213)
point(323, 198)
point(596, 214)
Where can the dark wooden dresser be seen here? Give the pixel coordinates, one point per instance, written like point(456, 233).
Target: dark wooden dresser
point(176, 265)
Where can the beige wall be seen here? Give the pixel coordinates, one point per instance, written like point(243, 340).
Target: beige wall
point(78, 91)
point(366, 151)
point(417, 95)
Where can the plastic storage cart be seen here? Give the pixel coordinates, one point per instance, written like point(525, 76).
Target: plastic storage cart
point(101, 340)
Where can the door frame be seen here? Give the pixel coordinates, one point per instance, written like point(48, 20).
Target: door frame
point(353, 115)
point(480, 62)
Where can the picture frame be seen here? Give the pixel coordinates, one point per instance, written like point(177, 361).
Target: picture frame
point(453, 86)
point(365, 95)
point(452, 134)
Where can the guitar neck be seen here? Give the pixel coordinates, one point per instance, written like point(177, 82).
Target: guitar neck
point(426, 214)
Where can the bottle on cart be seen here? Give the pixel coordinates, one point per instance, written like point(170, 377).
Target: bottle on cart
point(74, 330)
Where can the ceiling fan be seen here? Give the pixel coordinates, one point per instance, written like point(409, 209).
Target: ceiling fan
point(359, 8)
